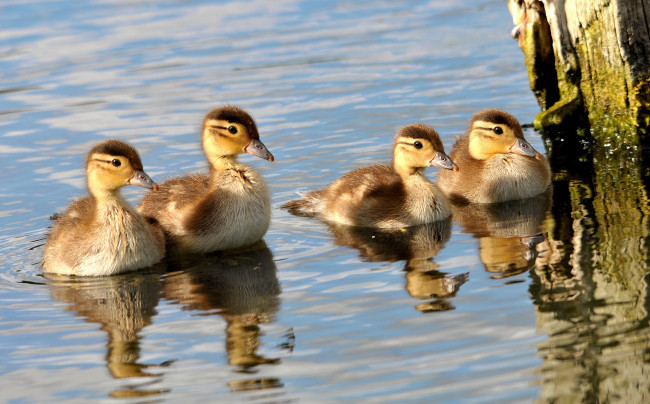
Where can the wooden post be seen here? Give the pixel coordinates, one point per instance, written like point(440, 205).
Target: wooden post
point(589, 67)
point(588, 59)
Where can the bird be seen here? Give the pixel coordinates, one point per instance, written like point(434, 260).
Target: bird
point(386, 196)
point(101, 234)
point(226, 209)
point(496, 163)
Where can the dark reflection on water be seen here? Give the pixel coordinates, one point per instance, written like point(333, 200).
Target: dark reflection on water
point(590, 285)
point(416, 246)
point(123, 305)
point(508, 232)
point(241, 286)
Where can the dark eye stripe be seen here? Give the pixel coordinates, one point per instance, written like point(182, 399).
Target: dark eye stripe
point(414, 144)
point(496, 130)
point(231, 129)
point(114, 162)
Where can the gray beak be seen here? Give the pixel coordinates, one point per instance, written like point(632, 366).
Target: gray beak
point(442, 160)
point(521, 146)
point(257, 148)
point(141, 179)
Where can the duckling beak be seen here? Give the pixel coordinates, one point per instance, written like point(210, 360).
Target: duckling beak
point(521, 146)
point(442, 160)
point(141, 179)
point(257, 148)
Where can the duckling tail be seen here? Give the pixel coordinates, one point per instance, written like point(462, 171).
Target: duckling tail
point(301, 207)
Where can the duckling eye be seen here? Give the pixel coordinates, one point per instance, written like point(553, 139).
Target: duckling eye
point(497, 130)
point(417, 144)
point(232, 130)
point(116, 162)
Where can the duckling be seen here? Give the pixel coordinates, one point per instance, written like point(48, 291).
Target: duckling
point(383, 196)
point(102, 234)
point(230, 207)
point(496, 163)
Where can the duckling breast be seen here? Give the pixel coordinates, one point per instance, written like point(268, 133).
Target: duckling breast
point(426, 203)
point(511, 177)
point(235, 213)
point(128, 243)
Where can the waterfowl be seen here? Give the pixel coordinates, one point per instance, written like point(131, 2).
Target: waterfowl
point(230, 207)
point(101, 234)
point(383, 196)
point(496, 163)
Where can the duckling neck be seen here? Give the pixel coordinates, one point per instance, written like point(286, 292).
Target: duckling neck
point(219, 164)
point(408, 173)
point(105, 196)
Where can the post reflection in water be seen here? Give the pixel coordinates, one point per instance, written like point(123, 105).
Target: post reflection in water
point(508, 232)
point(591, 288)
point(242, 287)
point(416, 246)
point(123, 305)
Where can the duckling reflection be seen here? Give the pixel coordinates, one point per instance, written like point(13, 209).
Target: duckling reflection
point(508, 232)
point(242, 287)
point(123, 305)
point(416, 246)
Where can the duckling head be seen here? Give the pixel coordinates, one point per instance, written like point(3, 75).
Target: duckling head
point(229, 131)
point(113, 164)
point(494, 132)
point(418, 146)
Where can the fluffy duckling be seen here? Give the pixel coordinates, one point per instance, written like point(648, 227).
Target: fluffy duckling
point(496, 163)
point(383, 196)
point(102, 234)
point(230, 207)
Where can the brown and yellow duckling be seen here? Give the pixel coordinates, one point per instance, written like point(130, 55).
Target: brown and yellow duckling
point(496, 163)
point(230, 207)
point(102, 234)
point(384, 196)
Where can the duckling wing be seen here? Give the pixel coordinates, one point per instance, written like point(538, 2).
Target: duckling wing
point(67, 240)
point(367, 183)
point(80, 213)
point(368, 196)
point(367, 193)
point(174, 195)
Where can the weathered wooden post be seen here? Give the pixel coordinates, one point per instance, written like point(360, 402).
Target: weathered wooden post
point(587, 59)
point(589, 66)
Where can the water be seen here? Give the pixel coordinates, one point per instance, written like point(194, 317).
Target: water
point(481, 309)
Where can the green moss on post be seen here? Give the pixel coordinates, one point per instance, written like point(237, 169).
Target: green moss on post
point(588, 65)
